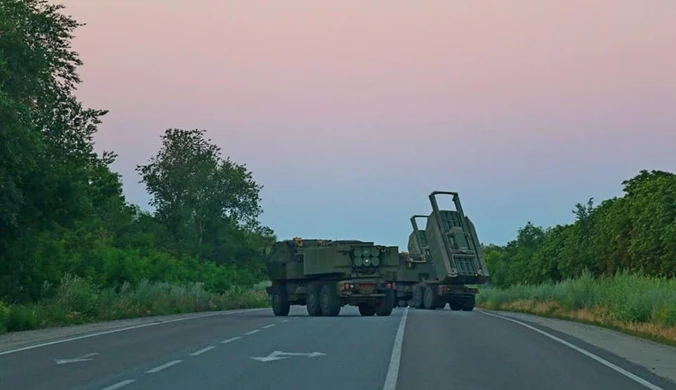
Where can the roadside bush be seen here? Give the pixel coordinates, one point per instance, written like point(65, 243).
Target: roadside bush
point(78, 300)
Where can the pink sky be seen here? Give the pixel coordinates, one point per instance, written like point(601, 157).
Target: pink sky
point(525, 107)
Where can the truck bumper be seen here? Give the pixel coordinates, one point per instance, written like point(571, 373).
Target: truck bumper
point(356, 288)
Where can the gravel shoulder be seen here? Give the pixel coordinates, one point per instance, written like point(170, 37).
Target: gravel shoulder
point(655, 357)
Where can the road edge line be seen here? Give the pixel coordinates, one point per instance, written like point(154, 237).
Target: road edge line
point(127, 328)
point(583, 351)
point(395, 359)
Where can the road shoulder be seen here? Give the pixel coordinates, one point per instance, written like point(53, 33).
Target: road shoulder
point(657, 358)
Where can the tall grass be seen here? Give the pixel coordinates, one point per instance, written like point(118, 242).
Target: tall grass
point(77, 300)
point(634, 302)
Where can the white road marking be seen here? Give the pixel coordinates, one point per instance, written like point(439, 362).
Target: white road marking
point(83, 358)
point(127, 328)
point(252, 332)
point(278, 355)
point(120, 384)
point(268, 326)
point(285, 321)
point(231, 340)
point(162, 367)
point(393, 370)
point(201, 351)
point(582, 351)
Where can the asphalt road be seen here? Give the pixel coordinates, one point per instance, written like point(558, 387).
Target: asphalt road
point(414, 349)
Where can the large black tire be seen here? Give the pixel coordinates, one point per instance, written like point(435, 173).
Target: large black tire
point(330, 301)
point(385, 307)
point(418, 292)
point(431, 299)
point(280, 300)
point(314, 308)
point(469, 306)
point(366, 310)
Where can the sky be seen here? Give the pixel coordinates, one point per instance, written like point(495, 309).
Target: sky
point(350, 113)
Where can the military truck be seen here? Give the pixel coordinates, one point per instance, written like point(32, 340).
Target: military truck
point(441, 260)
point(325, 275)
point(414, 267)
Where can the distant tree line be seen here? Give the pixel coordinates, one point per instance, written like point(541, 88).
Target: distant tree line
point(635, 232)
point(62, 210)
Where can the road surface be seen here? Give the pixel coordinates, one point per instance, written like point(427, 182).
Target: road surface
point(412, 349)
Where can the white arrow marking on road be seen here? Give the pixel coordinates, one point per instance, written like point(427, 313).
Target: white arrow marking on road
point(279, 355)
point(82, 358)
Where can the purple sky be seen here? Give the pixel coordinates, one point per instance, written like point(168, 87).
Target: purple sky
point(352, 112)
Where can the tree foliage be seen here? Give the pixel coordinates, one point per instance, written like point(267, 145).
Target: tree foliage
point(199, 196)
point(62, 209)
point(635, 232)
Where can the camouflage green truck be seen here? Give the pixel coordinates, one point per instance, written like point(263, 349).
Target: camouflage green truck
point(441, 260)
point(325, 275)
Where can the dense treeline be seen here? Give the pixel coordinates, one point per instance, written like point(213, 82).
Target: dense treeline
point(634, 233)
point(62, 210)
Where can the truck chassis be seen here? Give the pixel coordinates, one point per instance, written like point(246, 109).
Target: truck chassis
point(327, 297)
point(432, 295)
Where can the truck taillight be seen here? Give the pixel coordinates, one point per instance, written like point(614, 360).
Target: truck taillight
point(391, 285)
point(348, 286)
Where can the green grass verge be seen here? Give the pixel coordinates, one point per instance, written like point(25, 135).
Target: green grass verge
point(78, 301)
point(640, 305)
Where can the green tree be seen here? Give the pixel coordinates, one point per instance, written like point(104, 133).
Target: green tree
point(496, 261)
point(635, 232)
point(49, 170)
point(62, 208)
point(200, 197)
point(651, 207)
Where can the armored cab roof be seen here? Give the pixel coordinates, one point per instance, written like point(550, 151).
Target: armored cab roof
point(310, 242)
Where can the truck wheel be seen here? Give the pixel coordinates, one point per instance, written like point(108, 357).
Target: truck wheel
point(468, 306)
point(431, 299)
point(330, 301)
point(418, 297)
point(280, 301)
point(314, 309)
point(384, 309)
point(366, 310)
